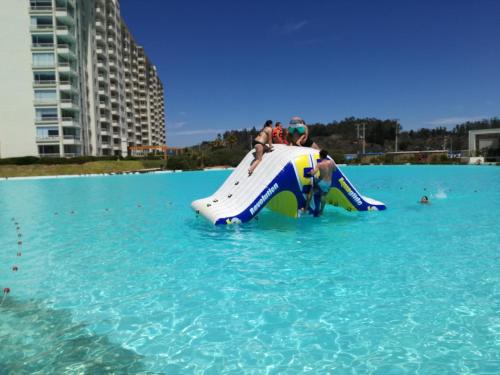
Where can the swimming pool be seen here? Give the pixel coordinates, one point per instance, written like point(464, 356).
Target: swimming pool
point(117, 274)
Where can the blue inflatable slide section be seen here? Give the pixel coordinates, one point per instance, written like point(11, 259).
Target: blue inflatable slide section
point(280, 183)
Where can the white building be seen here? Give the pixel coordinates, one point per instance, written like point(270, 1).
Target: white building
point(483, 139)
point(74, 82)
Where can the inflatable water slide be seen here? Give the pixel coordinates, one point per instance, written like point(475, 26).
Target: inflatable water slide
point(280, 183)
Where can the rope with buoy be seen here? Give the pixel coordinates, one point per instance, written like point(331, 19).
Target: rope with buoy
point(19, 253)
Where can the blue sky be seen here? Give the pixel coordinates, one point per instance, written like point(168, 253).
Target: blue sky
point(229, 64)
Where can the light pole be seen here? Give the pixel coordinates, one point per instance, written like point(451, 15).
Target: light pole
point(396, 141)
point(357, 139)
point(364, 138)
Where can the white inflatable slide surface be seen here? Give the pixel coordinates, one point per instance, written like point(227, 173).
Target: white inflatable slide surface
point(280, 183)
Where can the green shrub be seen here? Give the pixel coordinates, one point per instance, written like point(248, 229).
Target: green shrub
point(23, 160)
point(153, 163)
point(76, 160)
point(182, 162)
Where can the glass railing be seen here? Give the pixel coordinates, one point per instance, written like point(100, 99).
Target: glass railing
point(41, 8)
point(47, 119)
point(69, 119)
point(65, 28)
point(69, 101)
point(44, 82)
point(45, 101)
point(41, 27)
point(71, 136)
point(42, 45)
point(65, 64)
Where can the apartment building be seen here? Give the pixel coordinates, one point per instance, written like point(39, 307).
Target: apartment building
point(74, 81)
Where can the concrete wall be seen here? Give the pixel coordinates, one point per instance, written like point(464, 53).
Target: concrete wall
point(17, 113)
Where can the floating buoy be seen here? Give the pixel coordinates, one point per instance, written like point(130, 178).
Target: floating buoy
point(55, 213)
point(72, 212)
point(19, 235)
point(6, 290)
point(19, 242)
point(19, 254)
point(139, 205)
point(14, 268)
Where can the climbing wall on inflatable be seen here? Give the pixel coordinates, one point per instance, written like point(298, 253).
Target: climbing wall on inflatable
point(281, 183)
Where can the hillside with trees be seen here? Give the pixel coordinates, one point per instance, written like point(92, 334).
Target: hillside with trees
point(340, 138)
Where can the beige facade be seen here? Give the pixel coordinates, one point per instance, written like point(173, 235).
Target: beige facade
point(74, 81)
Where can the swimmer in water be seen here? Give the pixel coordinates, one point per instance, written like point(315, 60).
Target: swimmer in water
point(424, 200)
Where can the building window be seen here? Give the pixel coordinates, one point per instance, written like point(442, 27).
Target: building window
point(45, 96)
point(48, 150)
point(43, 60)
point(47, 132)
point(46, 114)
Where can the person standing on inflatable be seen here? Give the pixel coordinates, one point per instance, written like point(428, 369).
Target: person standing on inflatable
point(259, 143)
point(322, 185)
point(299, 133)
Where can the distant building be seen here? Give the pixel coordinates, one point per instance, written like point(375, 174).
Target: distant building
point(484, 139)
point(74, 82)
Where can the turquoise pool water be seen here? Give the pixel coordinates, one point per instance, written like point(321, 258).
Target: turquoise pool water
point(117, 275)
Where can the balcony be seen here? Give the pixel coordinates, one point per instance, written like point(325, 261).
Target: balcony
point(66, 51)
point(42, 29)
point(41, 9)
point(44, 83)
point(45, 102)
point(67, 86)
point(70, 104)
point(46, 120)
point(99, 25)
point(65, 14)
point(48, 139)
point(100, 51)
point(71, 139)
point(101, 64)
point(70, 122)
point(65, 32)
point(66, 67)
point(35, 46)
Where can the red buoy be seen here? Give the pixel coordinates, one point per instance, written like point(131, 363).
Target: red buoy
point(6, 290)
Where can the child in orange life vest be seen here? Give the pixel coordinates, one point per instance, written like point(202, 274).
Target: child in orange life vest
point(279, 134)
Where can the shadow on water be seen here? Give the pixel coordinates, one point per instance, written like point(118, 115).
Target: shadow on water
point(273, 222)
point(38, 339)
